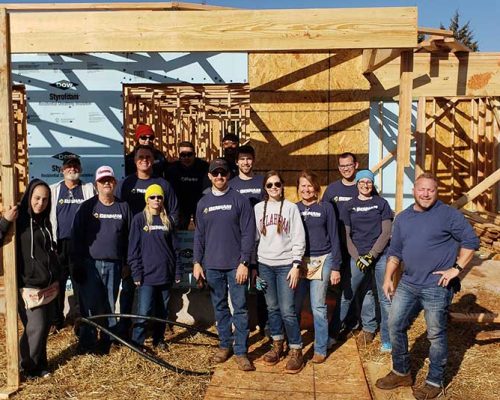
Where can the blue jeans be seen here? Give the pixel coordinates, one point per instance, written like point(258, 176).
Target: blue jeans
point(364, 281)
point(219, 281)
point(407, 301)
point(151, 299)
point(98, 295)
point(317, 291)
point(280, 299)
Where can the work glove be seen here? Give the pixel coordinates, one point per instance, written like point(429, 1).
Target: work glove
point(260, 284)
point(364, 262)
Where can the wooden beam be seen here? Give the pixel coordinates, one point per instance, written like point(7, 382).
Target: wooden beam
point(420, 135)
point(173, 5)
point(488, 335)
point(8, 185)
point(375, 58)
point(478, 189)
point(441, 112)
point(221, 30)
point(404, 125)
point(442, 75)
point(435, 31)
point(383, 161)
point(454, 45)
point(494, 105)
point(475, 317)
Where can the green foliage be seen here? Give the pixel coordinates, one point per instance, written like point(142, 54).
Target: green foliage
point(464, 33)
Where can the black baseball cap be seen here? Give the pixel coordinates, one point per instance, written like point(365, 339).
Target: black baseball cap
point(73, 159)
point(218, 163)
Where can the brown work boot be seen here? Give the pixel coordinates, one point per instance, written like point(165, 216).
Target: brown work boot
point(273, 356)
point(427, 391)
point(318, 358)
point(392, 381)
point(295, 361)
point(222, 355)
point(244, 364)
point(365, 338)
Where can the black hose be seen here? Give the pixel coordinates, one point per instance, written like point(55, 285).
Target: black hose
point(147, 356)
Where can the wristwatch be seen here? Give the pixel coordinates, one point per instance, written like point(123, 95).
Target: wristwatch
point(245, 263)
point(457, 266)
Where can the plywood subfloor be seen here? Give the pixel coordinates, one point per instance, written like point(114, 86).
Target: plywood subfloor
point(340, 377)
point(375, 371)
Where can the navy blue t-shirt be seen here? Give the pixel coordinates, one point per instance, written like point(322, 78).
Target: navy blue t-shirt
point(252, 189)
point(152, 252)
point(338, 194)
point(429, 241)
point(101, 232)
point(67, 205)
point(365, 217)
point(132, 190)
point(322, 237)
point(225, 230)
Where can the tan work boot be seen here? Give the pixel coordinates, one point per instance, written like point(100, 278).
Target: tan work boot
point(273, 356)
point(222, 355)
point(392, 381)
point(295, 361)
point(365, 338)
point(427, 391)
point(244, 364)
point(318, 358)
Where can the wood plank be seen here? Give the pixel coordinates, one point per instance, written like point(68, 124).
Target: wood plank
point(442, 75)
point(383, 161)
point(375, 58)
point(488, 335)
point(404, 125)
point(435, 31)
point(218, 30)
point(172, 5)
point(420, 135)
point(475, 317)
point(478, 189)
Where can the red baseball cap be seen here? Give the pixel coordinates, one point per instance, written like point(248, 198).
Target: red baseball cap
point(143, 130)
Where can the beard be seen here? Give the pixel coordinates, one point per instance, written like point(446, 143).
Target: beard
point(74, 176)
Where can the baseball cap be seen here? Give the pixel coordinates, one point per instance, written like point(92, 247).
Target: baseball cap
point(218, 163)
point(143, 130)
point(232, 137)
point(73, 159)
point(104, 172)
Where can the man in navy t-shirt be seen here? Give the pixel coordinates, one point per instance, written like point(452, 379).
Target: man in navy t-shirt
point(435, 242)
point(100, 239)
point(223, 242)
point(246, 182)
point(188, 177)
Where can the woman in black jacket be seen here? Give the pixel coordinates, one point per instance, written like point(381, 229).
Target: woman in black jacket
point(38, 274)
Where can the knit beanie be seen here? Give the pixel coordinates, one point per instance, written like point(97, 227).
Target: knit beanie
point(153, 190)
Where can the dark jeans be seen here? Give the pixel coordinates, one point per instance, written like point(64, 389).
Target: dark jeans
point(33, 343)
point(408, 301)
point(98, 295)
point(64, 251)
point(151, 300)
point(219, 281)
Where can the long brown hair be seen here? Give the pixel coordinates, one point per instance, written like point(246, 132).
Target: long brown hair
point(313, 179)
point(268, 175)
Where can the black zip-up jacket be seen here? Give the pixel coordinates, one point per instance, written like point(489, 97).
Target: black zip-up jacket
point(37, 263)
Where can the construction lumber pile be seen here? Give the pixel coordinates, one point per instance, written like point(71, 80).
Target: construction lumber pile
point(487, 227)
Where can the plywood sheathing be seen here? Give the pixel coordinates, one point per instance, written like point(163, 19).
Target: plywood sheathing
point(201, 114)
point(306, 108)
point(442, 75)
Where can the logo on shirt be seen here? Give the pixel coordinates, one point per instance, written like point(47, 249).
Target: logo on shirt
point(138, 190)
point(222, 207)
point(150, 228)
point(274, 219)
point(107, 216)
point(188, 179)
point(336, 199)
point(70, 201)
point(251, 190)
point(364, 209)
point(307, 213)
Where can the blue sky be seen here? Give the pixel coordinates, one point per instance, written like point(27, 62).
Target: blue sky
point(483, 14)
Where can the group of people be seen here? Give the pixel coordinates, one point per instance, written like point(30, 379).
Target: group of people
point(124, 233)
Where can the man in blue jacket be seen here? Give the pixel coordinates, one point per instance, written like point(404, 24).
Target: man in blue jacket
point(223, 242)
point(435, 242)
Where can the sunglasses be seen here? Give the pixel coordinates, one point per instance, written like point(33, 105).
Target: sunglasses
point(150, 138)
point(275, 184)
point(218, 172)
point(156, 197)
point(186, 154)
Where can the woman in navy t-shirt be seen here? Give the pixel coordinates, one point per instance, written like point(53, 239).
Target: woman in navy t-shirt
point(322, 257)
point(368, 222)
point(152, 257)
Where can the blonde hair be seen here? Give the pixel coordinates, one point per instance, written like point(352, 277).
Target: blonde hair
point(163, 216)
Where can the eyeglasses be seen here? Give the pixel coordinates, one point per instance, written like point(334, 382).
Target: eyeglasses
point(156, 197)
point(150, 138)
point(186, 154)
point(275, 184)
point(346, 166)
point(218, 172)
point(365, 183)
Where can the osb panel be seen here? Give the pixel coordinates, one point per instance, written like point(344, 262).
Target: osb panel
point(288, 121)
point(291, 150)
point(295, 101)
point(288, 71)
point(444, 154)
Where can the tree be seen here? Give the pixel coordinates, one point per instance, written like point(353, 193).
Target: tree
point(464, 33)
